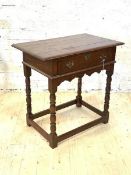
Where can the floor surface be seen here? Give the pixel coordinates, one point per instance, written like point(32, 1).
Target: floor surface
point(104, 149)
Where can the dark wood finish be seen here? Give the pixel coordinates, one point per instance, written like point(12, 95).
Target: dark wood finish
point(47, 111)
point(79, 97)
point(53, 135)
point(85, 60)
point(107, 95)
point(65, 46)
point(49, 67)
point(79, 129)
point(69, 64)
point(97, 111)
point(27, 73)
point(77, 73)
point(63, 59)
point(38, 128)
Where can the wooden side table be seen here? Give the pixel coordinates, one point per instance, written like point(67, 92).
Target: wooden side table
point(62, 59)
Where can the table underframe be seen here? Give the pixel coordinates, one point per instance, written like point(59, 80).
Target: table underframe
point(53, 138)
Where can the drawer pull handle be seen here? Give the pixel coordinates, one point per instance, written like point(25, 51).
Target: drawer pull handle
point(87, 57)
point(103, 63)
point(70, 64)
point(103, 57)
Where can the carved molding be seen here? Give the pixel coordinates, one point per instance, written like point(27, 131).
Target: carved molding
point(52, 113)
point(28, 96)
point(107, 90)
point(71, 77)
point(79, 97)
point(27, 74)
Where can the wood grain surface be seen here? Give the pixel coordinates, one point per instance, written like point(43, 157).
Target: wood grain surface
point(63, 46)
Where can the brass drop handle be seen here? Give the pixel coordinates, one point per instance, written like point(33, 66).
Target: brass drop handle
point(103, 59)
point(70, 64)
point(87, 56)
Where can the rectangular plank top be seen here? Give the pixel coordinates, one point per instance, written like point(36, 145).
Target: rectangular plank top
point(64, 46)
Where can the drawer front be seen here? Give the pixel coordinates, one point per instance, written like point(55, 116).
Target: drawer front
point(85, 60)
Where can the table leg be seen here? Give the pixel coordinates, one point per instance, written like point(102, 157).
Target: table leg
point(27, 74)
point(53, 135)
point(107, 96)
point(79, 97)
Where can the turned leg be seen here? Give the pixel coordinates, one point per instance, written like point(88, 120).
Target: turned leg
point(107, 96)
point(79, 97)
point(27, 74)
point(53, 135)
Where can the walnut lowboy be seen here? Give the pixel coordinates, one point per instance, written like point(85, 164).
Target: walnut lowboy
point(63, 59)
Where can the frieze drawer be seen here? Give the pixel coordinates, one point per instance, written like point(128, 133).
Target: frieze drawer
point(85, 60)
